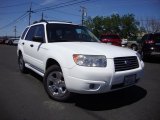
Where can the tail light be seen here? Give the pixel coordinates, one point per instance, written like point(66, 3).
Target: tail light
point(149, 41)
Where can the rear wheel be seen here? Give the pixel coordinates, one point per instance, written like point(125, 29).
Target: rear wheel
point(54, 84)
point(134, 47)
point(21, 64)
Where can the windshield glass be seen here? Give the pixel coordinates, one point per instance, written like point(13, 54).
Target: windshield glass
point(69, 33)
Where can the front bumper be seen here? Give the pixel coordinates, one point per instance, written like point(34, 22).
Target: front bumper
point(92, 80)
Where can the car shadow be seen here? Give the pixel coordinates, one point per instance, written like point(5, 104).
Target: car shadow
point(110, 100)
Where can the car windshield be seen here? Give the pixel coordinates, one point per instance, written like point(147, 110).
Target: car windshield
point(69, 33)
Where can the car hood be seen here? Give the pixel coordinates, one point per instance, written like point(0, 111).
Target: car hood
point(94, 48)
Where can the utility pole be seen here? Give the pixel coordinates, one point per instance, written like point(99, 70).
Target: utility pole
point(84, 13)
point(15, 30)
point(30, 12)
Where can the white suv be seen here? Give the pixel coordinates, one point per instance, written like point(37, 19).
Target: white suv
point(71, 59)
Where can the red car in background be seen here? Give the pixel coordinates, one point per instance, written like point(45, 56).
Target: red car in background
point(113, 39)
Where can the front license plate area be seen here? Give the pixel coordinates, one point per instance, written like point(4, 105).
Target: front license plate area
point(129, 80)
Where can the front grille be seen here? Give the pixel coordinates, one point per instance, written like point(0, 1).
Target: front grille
point(125, 63)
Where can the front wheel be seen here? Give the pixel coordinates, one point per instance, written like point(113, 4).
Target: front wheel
point(54, 84)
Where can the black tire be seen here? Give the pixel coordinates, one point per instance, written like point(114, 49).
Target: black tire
point(54, 84)
point(21, 64)
point(10, 43)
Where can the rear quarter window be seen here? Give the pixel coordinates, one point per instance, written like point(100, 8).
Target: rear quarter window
point(24, 33)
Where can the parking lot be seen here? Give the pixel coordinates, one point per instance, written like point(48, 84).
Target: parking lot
point(22, 96)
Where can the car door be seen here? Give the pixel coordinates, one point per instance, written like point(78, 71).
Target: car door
point(34, 50)
point(26, 42)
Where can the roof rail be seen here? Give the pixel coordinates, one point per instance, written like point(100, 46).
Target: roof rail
point(40, 21)
point(59, 21)
point(46, 21)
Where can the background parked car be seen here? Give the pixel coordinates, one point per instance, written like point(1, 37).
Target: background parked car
point(113, 39)
point(150, 45)
point(12, 41)
point(6, 41)
point(1, 41)
point(15, 42)
point(133, 44)
point(124, 42)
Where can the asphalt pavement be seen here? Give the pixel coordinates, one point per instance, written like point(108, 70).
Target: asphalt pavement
point(22, 96)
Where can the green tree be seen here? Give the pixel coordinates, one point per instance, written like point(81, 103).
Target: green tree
point(95, 24)
point(129, 26)
point(126, 26)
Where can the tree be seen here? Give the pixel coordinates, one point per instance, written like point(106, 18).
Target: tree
point(129, 26)
point(154, 25)
point(150, 25)
point(95, 24)
point(126, 26)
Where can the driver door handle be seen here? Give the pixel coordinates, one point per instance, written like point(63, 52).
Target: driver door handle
point(32, 45)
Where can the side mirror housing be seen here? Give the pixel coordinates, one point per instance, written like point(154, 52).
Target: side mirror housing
point(38, 39)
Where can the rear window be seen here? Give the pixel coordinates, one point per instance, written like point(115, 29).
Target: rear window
point(110, 37)
point(157, 38)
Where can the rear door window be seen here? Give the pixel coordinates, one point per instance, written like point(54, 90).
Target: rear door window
point(30, 33)
point(37, 30)
point(24, 33)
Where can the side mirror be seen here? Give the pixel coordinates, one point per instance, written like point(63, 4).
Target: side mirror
point(38, 39)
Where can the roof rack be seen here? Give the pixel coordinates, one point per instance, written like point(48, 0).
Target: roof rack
point(59, 21)
point(42, 20)
point(46, 21)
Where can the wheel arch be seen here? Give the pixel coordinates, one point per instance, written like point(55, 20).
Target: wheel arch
point(51, 61)
point(19, 52)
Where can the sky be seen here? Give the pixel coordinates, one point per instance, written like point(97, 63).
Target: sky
point(14, 12)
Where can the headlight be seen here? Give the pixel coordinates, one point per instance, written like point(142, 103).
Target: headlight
point(90, 60)
point(139, 56)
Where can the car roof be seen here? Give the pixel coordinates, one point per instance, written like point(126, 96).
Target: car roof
point(51, 22)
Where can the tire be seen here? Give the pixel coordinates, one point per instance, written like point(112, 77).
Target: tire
point(54, 84)
point(134, 47)
point(10, 43)
point(21, 64)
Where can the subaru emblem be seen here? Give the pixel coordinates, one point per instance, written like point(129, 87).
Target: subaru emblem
point(127, 62)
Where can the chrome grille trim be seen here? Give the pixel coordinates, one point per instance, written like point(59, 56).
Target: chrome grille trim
point(125, 63)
